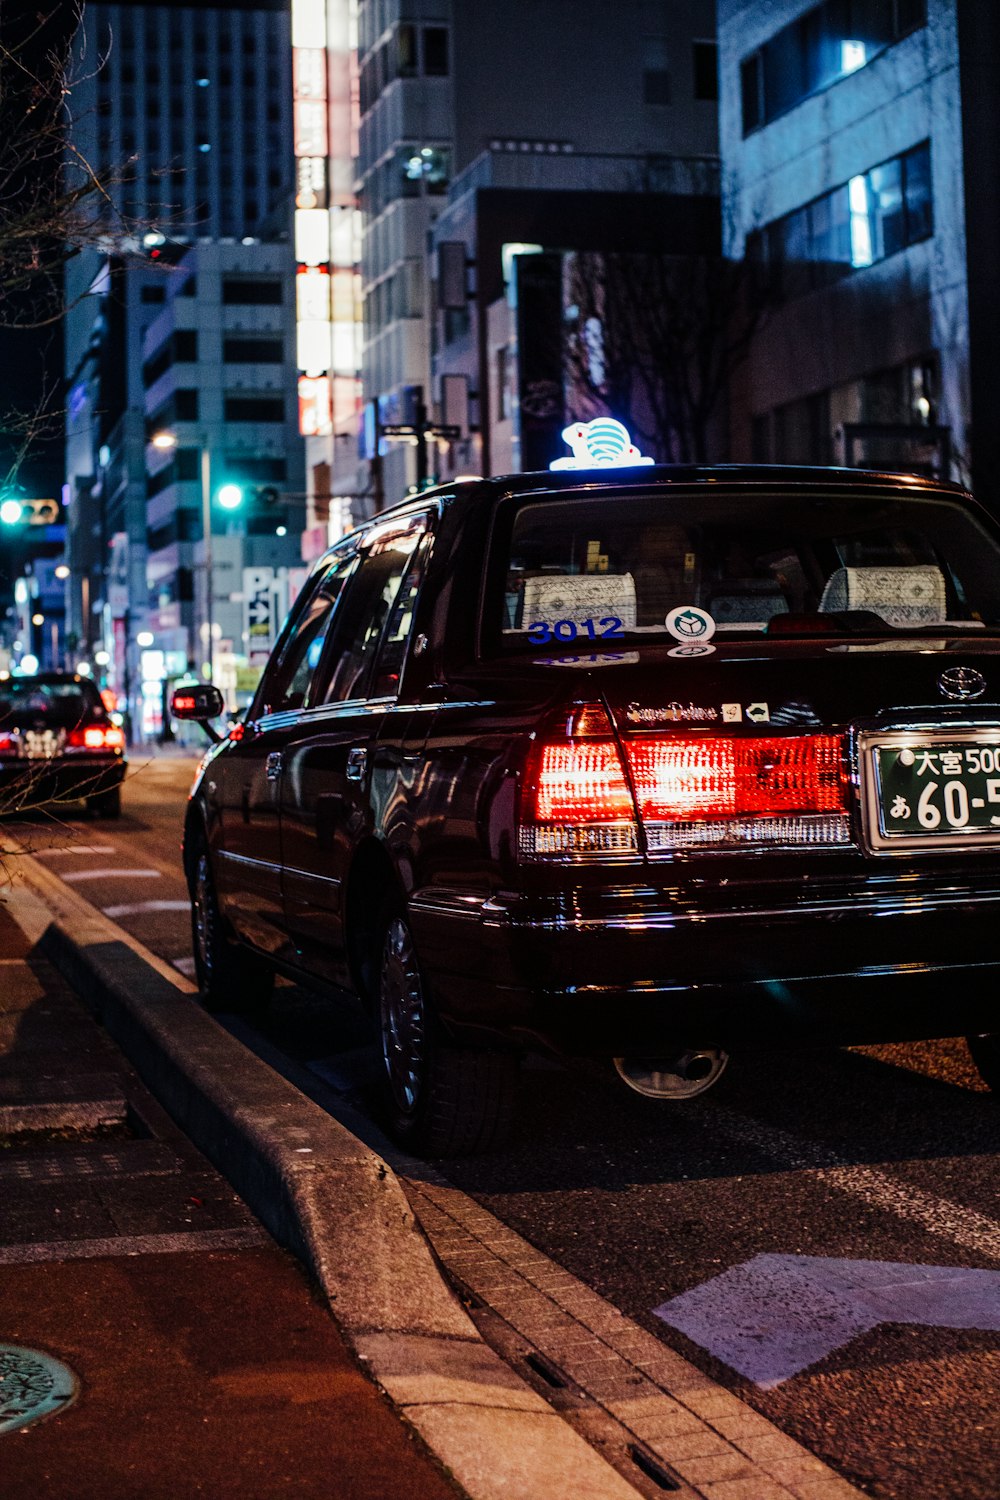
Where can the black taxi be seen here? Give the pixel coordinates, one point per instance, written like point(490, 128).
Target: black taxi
point(645, 763)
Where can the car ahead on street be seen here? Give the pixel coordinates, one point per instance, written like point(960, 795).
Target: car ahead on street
point(58, 744)
point(643, 763)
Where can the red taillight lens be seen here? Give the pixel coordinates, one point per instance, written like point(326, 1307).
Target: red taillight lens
point(95, 737)
point(582, 782)
point(576, 800)
point(183, 704)
point(709, 777)
point(8, 744)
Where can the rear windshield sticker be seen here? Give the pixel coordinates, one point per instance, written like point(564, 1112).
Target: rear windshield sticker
point(689, 623)
point(693, 650)
point(603, 628)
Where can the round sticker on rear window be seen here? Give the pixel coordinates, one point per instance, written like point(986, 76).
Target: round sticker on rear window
point(689, 623)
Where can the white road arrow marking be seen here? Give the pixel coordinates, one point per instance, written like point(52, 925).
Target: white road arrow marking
point(777, 1314)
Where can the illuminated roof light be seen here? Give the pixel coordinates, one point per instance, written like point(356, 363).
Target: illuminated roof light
point(603, 443)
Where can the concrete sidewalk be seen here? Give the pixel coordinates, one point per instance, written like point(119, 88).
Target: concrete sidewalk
point(340, 1209)
point(206, 1363)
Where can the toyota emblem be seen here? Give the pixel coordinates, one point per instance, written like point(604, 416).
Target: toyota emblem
point(962, 682)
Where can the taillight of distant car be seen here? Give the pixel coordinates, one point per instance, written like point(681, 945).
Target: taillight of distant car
point(95, 737)
point(8, 744)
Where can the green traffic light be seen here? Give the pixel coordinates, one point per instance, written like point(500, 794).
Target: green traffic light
point(230, 496)
point(10, 512)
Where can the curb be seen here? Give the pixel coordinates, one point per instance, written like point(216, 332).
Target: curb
point(330, 1200)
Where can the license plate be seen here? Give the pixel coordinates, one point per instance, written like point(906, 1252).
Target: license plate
point(935, 792)
point(40, 744)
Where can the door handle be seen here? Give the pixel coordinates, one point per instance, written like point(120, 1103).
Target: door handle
point(273, 765)
point(357, 761)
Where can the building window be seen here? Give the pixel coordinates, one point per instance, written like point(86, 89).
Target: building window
point(655, 73)
point(865, 220)
point(185, 345)
point(237, 350)
point(824, 45)
point(269, 408)
point(186, 405)
point(152, 293)
point(705, 66)
point(435, 40)
point(406, 50)
point(245, 291)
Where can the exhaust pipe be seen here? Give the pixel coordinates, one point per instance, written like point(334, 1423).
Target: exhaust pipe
point(682, 1076)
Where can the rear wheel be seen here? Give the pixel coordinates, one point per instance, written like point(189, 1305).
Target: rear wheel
point(439, 1100)
point(985, 1050)
point(106, 804)
point(229, 976)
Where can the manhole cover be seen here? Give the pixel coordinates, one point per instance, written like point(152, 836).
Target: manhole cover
point(32, 1386)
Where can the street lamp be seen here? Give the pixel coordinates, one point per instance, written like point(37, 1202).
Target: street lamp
point(230, 497)
point(10, 512)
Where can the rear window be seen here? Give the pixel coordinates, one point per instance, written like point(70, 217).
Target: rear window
point(575, 569)
point(60, 704)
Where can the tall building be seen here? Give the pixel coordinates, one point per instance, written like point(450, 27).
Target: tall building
point(523, 126)
point(189, 107)
point(861, 155)
point(217, 367)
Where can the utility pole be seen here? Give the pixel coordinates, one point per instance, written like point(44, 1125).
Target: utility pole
point(421, 428)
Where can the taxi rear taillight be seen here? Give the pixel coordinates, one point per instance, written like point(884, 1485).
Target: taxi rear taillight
point(715, 791)
point(691, 791)
point(576, 801)
point(95, 737)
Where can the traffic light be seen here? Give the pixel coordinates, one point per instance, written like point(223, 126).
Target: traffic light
point(18, 512)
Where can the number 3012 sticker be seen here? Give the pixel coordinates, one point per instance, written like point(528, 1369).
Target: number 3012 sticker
point(607, 627)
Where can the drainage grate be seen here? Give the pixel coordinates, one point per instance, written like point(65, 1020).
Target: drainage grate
point(652, 1467)
point(32, 1385)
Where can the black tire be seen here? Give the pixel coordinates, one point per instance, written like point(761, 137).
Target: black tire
point(107, 804)
point(230, 977)
point(985, 1051)
point(439, 1100)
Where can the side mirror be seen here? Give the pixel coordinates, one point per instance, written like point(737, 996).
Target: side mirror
point(198, 701)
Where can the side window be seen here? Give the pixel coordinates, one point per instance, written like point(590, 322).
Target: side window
point(392, 654)
point(368, 605)
point(287, 680)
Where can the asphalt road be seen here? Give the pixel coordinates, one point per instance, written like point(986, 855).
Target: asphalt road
point(797, 1163)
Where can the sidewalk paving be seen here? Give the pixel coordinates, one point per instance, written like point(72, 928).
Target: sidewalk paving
point(206, 1362)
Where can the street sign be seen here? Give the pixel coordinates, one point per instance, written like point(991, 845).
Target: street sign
point(259, 607)
point(777, 1314)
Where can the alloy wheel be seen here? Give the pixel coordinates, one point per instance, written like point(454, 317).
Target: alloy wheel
point(402, 1016)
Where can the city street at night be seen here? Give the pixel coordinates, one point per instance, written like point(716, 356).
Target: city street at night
point(500, 750)
point(799, 1162)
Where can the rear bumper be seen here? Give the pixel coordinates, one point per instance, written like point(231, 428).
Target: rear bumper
point(32, 783)
point(641, 974)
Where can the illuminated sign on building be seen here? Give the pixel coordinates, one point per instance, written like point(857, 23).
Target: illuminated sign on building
point(315, 406)
point(327, 222)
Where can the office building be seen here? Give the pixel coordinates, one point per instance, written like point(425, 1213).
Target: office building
point(195, 100)
point(546, 127)
point(861, 154)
